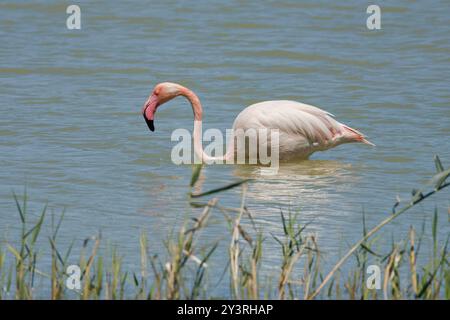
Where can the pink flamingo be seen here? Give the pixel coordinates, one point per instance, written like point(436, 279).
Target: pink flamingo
point(303, 129)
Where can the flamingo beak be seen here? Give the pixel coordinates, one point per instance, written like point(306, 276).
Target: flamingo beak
point(149, 111)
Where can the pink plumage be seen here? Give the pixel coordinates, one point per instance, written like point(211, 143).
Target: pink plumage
point(303, 129)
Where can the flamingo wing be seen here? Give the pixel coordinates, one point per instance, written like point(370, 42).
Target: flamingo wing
point(314, 125)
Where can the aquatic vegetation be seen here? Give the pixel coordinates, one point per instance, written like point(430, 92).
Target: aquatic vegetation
point(300, 273)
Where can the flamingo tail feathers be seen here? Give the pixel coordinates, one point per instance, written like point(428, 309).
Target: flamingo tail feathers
point(355, 135)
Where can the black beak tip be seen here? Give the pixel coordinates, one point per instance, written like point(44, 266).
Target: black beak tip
point(150, 125)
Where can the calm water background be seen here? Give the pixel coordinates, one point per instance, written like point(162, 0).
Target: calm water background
point(71, 129)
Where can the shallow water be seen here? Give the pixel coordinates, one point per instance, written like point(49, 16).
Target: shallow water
point(71, 129)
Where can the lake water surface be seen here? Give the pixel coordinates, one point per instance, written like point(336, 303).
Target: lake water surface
point(72, 133)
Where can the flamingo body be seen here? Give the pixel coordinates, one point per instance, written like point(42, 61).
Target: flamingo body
point(303, 129)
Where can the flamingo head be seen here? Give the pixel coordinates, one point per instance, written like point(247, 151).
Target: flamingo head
point(162, 93)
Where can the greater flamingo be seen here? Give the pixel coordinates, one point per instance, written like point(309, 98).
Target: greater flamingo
point(303, 129)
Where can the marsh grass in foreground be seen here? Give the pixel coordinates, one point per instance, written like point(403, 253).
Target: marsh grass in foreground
point(300, 274)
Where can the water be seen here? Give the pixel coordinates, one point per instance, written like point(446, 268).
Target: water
point(71, 129)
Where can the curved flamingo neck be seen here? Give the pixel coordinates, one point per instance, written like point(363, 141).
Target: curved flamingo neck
point(198, 114)
point(195, 103)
